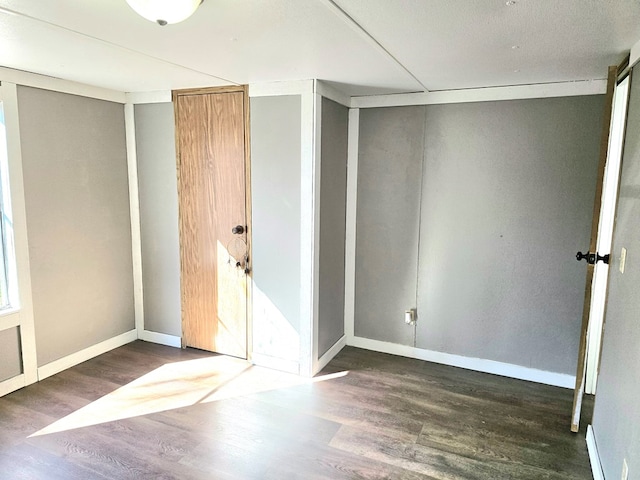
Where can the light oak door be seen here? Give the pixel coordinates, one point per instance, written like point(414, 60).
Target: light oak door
point(212, 152)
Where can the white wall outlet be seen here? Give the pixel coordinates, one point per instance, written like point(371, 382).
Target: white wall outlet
point(625, 470)
point(623, 259)
point(410, 316)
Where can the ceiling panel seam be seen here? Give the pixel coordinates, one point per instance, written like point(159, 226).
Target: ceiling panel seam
point(337, 10)
point(106, 42)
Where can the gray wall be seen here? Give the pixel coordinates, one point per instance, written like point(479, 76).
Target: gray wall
point(506, 197)
point(77, 205)
point(333, 201)
point(156, 154)
point(391, 147)
point(616, 418)
point(508, 194)
point(275, 184)
point(10, 358)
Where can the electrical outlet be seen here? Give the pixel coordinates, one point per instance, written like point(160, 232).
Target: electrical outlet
point(625, 470)
point(623, 259)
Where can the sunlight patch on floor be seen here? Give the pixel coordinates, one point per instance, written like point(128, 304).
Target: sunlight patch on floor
point(181, 384)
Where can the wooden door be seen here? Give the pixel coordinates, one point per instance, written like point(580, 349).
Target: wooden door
point(212, 151)
point(597, 204)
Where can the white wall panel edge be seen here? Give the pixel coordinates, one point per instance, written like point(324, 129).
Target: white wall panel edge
point(350, 231)
point(44, 82)
point(489, 94)
point(594, 458)
point(21, 240)
point(134, 210)
point(477, 364)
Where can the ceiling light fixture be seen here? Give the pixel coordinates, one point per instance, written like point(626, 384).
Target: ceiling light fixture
point(163, 12)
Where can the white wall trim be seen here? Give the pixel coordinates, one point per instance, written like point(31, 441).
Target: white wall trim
point(516, 92)
point(634, 56)
point(12, 384)
point(160, 338)
point(88, 353)
point(350, 232)
point(309, 178)
point(332, 93)
point(21, 239)
point(134, 210)
point(317, 177)
point(267, 361)
point(478, 364)
point(271, 89)
point(29, 79)
point(160, 96)
point(594, 458)
point(332, 352)
point(10, 320)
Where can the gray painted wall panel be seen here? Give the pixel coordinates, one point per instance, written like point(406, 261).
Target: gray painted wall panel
point(157, 181)
point(389, 175)
point(10, 357)
point(507, 201)
point(77, 205)
point(616, 417)
point(333, 201)
point(275, 183)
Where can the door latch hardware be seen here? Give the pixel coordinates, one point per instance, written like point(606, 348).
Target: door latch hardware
point(592, 258)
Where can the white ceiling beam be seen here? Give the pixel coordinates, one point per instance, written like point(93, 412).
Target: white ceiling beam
point(44, 82)
point(516, 92)
point(351, 22)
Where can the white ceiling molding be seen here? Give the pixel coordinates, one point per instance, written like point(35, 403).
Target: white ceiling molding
point(332, 93)
point(59, 85)
point(274, 89)
point(161, 96)
point(517, 92)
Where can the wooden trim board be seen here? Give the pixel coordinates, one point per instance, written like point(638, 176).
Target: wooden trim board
point(160, 338)
point(331, 353)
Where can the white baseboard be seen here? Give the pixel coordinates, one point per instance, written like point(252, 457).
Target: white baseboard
point(86, 354)
point(161, 338)
point(477, 364)
point(594, 458)
point(289, 366)
point(332, 352)
point(12, 384)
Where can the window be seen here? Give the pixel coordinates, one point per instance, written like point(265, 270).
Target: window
point(7, 256)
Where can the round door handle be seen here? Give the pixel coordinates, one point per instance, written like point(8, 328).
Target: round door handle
point(237, 230)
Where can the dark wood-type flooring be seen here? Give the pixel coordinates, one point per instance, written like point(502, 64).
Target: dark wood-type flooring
point(387, 418)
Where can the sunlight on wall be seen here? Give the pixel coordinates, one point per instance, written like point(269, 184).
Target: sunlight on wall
point(273, 334)
point(178, 385)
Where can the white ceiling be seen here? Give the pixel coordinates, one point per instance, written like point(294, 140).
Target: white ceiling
point(363, 46)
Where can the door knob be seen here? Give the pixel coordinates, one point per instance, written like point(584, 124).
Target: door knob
point(592, 258)
point(237, 230)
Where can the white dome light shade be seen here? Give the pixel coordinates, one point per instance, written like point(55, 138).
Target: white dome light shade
point(165, 11)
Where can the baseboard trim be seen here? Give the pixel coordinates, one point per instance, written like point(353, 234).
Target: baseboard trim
point(289, 366)
point(594, 458)
point(161, 338)
point(332, 352)
point(478, 364)
point(12, 384)
point(69, 361)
